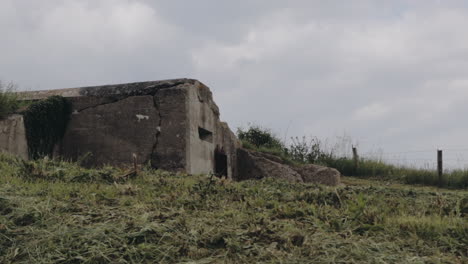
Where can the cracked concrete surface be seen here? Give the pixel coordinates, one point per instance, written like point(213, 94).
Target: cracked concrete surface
point(158, 121)
point(112, 132)
point(171, 144)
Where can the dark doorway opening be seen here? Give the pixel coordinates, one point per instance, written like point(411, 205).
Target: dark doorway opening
point(221, 166)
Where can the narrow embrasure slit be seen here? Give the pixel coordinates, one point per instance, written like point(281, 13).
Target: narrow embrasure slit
point(205, 135)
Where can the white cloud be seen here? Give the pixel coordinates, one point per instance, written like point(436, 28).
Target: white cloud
point(74, 43)
point(396, 76)
point(392, 74)
point(104, 25)
point(372, 111)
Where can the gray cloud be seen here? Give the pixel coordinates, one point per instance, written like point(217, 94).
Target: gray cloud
point(391, 74)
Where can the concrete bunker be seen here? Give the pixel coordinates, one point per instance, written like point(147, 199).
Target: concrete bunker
point(172, 125)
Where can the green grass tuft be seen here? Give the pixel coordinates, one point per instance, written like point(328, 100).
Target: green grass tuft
point(9, 102)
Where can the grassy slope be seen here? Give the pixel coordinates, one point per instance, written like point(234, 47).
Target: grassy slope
point(59, 213)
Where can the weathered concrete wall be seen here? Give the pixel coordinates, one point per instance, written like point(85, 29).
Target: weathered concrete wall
point(170, 152)
point(203, 116)
point(13, 136)
point(115, 122)
point(173, 124)
point(207, 134)
point(112, 132)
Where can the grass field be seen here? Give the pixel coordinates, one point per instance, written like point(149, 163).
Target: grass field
point(57, 212)
point(377, 169)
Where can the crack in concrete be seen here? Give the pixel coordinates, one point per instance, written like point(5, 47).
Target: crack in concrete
point(97, 105)
point(157, 105)
point(151, 90)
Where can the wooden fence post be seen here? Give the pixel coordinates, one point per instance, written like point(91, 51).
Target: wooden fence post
point(440, 169)
point(355, 159)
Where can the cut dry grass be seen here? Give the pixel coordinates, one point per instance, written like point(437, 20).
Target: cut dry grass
point(57, 212)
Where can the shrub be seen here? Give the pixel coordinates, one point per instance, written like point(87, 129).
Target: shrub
point(260, 138)
point(8, 99)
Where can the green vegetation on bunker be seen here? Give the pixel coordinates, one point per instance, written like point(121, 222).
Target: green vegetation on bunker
point(58, 212)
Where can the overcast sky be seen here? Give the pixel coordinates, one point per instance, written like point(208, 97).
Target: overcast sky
point(392, 75)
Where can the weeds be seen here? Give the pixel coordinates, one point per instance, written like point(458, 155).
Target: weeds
point(9, 102)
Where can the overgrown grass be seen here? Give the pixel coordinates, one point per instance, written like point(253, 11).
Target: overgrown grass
point(58, 212)
point(276, 151)
point(450, 179)
point(303, 151)
point(9, 102)
point(376, 169)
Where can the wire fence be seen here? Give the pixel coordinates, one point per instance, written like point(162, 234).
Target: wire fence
point(453, 158)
